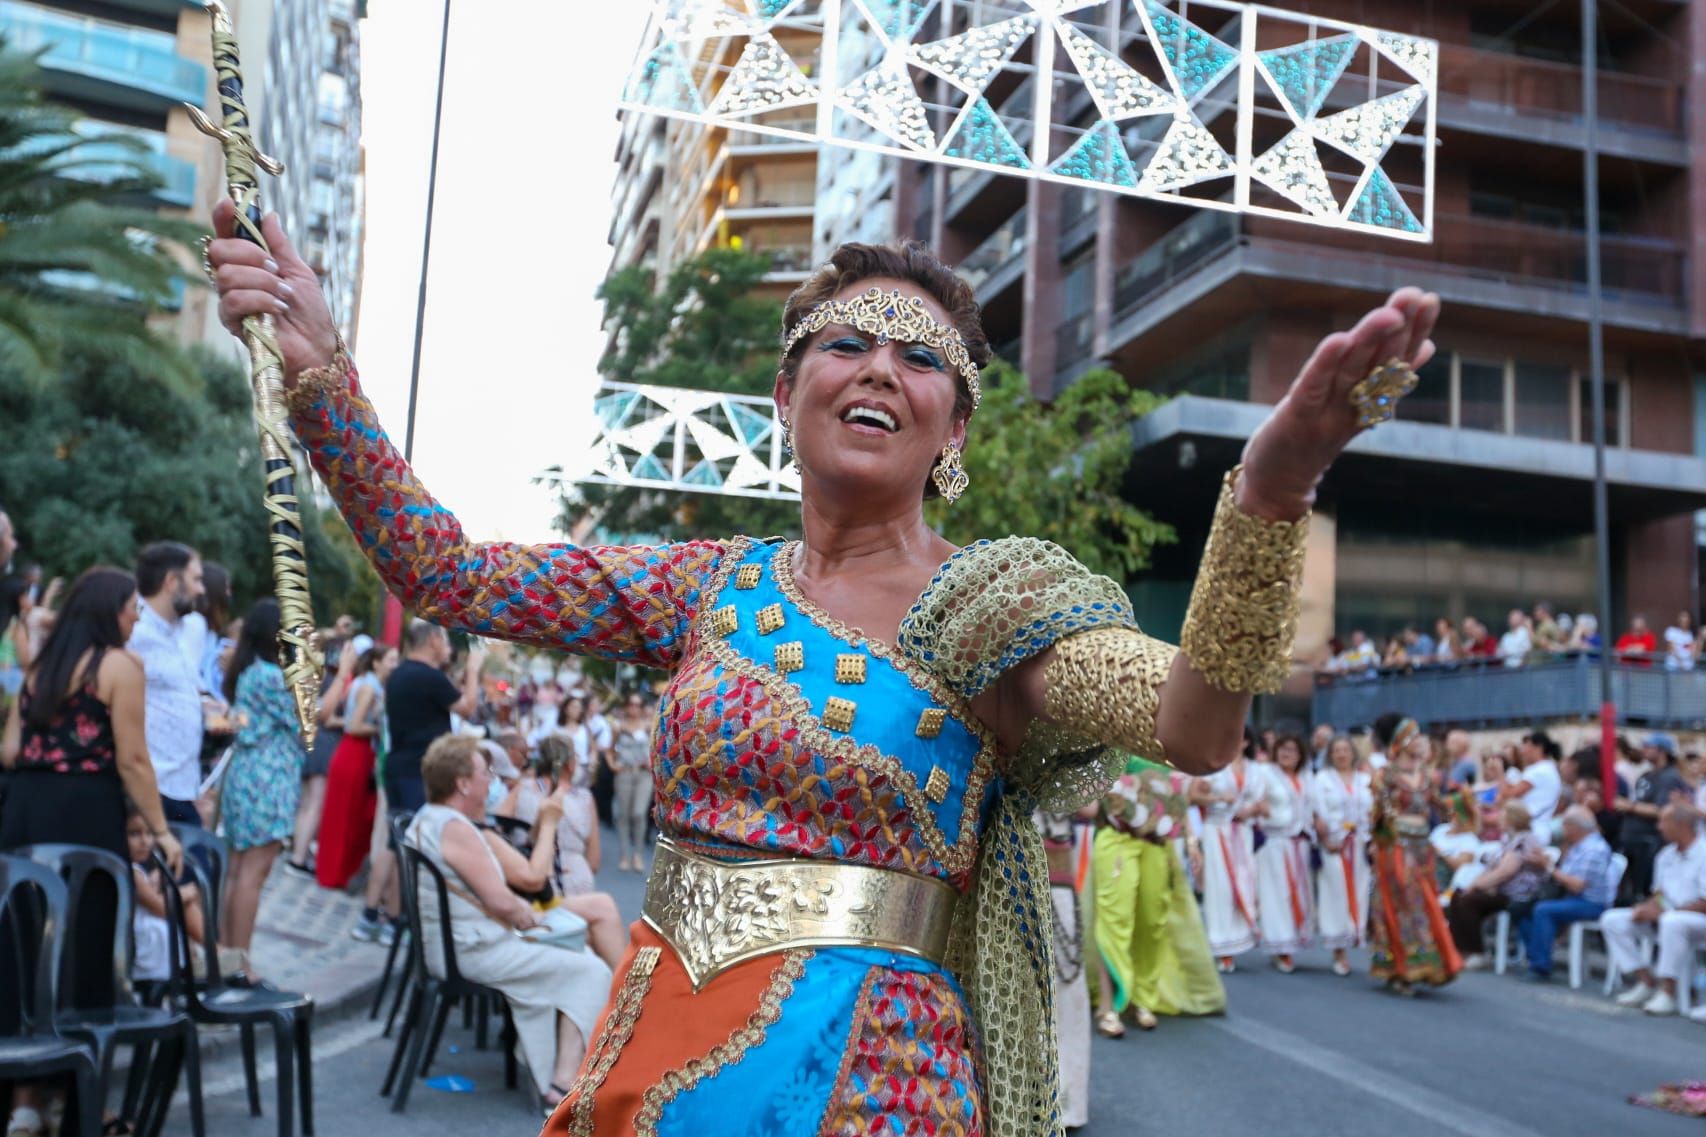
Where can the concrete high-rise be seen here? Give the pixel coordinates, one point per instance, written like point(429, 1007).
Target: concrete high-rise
point(129, 65)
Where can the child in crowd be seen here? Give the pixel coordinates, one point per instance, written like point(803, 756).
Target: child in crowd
point(148, 919)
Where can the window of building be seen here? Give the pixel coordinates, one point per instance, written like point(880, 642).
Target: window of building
point(1614, 410)
point(1431, 400)
point(1481, 394)
point(1542, 400)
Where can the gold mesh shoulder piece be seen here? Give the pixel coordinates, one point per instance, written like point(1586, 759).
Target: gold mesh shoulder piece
point(998, 603)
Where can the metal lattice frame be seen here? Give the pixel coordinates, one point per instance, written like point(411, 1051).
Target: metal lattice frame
point(1220, 105)
point(671, 438)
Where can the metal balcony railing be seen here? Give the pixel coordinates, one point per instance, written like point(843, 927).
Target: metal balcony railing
point(1001, 247)
point(134, 58)
point(1522, 85)
point(1491, 695)
point(99, 160)
point(1178, 253)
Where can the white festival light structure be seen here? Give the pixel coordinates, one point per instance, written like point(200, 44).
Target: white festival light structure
point(1218, 105)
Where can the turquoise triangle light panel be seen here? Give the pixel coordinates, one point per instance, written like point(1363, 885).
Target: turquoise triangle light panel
point(754, 428)
point(650, 469)
point(1307, 72)
point(1197, 60)
point(704, 474)
point(983, 137)
point(1382, 206)
point(899, 19)
point(612, 410)
point(1100, 156)
point(899, 78)
point(664, 82)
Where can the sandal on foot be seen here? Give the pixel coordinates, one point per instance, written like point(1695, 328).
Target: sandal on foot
point(1108, 1025)
point(1145, 1018)
point(551, 1106)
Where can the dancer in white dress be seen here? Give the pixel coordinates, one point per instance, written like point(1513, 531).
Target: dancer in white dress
point(1285, 900)
point(1066, 842)
point(1342, 807)
point(1230, 800)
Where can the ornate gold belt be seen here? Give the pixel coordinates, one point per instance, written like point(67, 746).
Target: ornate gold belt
point(718, 914)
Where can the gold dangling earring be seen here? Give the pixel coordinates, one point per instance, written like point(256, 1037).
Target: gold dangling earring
point(788, 444)
point(950, 477)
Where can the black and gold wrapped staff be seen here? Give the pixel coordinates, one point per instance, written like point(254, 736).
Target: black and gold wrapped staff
point(299, 654)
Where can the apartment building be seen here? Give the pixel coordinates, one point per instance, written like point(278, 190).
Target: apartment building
point(1480, 498)
point(130, 65)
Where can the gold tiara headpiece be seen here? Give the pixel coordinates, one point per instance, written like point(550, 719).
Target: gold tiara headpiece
point(892, 316)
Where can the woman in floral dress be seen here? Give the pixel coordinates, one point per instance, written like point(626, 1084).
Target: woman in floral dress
point(1407, 928)
point(264, 775)
point(847, 928)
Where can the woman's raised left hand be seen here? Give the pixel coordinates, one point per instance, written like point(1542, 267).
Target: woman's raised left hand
point(1286, 457)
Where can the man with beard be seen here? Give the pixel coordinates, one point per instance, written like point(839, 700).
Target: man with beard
point(168, 579)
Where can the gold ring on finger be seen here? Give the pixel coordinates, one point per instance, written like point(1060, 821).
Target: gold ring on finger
point(1376, 397)
point(206, 262)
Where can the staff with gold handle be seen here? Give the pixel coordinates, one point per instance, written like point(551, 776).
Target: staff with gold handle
point(299, 654)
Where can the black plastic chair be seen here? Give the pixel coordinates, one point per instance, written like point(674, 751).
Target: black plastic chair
point(210, 853)
point(399, 827)
point(33, 905)
point(213, 1000)
point(432, 998)
point(126, 1022)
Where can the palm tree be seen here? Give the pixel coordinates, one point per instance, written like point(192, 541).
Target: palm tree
point(79, 266)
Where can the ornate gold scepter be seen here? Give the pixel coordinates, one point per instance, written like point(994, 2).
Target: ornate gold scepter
point(299, 653)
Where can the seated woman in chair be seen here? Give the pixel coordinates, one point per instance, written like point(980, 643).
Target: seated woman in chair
point(554, 995)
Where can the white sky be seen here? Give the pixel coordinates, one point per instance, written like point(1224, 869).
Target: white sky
point(526, 163)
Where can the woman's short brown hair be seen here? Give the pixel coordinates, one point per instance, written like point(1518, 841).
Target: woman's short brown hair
point(448, 760)
point(1517, 816)
point(911, 261)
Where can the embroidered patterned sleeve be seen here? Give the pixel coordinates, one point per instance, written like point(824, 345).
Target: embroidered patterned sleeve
point(629, 603)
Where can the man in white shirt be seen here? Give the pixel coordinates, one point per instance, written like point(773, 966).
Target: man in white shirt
point(1675, 914)
point(1539, 785)
point(168, 579)
point(1516, 643)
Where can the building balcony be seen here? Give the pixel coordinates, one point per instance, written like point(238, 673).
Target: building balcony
point(154, 7)
point(1498, 696)
point(998, 263)
point(103, 62)
point(1480, 262)
point(110, 161)
point(753, 143)
point(1537, 100)
point(1189, 442)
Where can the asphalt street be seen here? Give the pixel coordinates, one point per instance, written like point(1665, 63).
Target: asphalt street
point(1304, 1054)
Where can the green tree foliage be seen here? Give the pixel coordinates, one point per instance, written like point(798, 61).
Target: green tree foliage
point(1055, 470)
point(112, 457)
point(704, 329)
point(78, 266)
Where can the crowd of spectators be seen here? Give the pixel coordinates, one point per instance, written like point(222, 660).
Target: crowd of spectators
point(1529, 637)
point(1543, 840)
point(155, 709)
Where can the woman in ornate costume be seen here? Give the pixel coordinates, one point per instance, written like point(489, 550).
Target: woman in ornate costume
point(1231, 801)
point(1411, 940)
point(848, 915)
point(1343, 807)
point(1066, 846)
point(1149, 937)
point(1285, 894)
